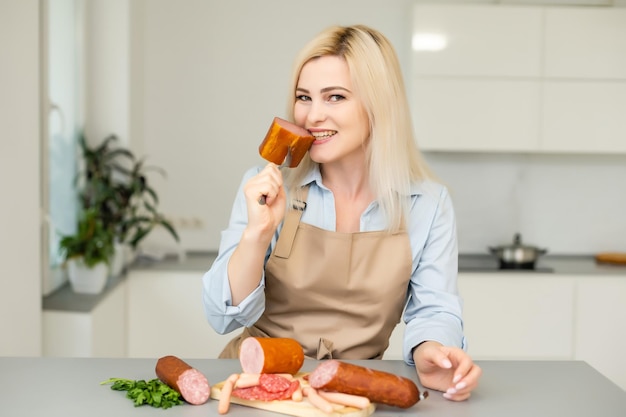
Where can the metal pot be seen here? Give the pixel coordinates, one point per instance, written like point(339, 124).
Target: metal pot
point(517, 255)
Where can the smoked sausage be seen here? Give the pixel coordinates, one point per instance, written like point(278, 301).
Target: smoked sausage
point(283, 135)
point(380, 387)
point(270, 355)
point(189, 382)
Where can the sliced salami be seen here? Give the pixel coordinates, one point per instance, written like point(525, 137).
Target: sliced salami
point(259, 394)
point(274, 383)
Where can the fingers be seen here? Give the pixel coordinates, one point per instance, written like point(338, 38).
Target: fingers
point(265, 187)
point(465, 377)
point(463, 389)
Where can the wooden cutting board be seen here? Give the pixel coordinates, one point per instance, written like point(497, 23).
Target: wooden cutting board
point(294, 408)
point(616, 258)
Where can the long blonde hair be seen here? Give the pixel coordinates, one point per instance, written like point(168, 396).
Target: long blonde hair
point(393, 159)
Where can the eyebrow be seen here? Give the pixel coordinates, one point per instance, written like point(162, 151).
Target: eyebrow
point(324, 90)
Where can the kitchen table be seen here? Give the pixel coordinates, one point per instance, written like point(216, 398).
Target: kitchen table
point(68, 387)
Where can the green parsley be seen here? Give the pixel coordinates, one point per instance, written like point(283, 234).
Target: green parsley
point(154, 392)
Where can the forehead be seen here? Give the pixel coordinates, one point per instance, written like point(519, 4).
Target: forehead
point(325, 71)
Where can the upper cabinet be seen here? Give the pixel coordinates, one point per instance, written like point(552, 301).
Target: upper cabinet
point(585, 43)
point(519, 79)
point(478, 40)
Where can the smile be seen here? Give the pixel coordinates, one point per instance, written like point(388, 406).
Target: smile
point(323, 135)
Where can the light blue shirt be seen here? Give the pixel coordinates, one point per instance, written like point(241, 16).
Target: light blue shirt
point(434, 307)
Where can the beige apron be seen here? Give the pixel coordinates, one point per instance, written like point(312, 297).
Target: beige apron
point(340, 295)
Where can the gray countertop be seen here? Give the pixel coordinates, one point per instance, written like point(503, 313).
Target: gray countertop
point(68, 387)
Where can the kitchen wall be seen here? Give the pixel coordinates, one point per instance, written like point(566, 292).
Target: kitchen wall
point(20, 281)
point(215, 73)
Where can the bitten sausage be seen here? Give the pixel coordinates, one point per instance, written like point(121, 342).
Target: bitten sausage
point(380, 387)
point(189, 382)
point(283, 135)
point(270, 355)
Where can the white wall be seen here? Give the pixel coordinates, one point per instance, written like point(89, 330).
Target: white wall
point(213, 76)
point(20, 283)
point(209, 76)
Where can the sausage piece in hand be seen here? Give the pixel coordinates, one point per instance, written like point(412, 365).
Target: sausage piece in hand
point(189, 382)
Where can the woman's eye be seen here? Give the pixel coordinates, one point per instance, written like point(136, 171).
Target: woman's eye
point(302, 97)
point(336, 97)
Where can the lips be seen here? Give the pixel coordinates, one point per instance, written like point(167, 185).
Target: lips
point(323, 136)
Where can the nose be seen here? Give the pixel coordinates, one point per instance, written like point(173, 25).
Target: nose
point(317, 113)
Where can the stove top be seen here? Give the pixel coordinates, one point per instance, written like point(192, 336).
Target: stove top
point(488, 263)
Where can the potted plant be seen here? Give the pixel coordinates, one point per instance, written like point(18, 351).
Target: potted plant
point(116, 183)
point(87, 253)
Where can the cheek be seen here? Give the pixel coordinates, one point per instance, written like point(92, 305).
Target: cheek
point(299, 114)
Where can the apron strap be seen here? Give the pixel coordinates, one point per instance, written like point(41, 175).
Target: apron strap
point(290, 226)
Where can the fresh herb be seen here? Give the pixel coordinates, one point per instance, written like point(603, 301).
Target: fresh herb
point(154, 392)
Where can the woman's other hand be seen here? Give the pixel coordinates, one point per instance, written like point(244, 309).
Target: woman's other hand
point(446, 369)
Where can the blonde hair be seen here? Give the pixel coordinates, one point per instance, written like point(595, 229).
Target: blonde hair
point(393, 159)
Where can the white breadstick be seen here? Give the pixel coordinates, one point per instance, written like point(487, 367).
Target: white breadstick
point(317, 401)
point(297, 394)
point(350, 400)
point(247, 380)
point(227, 391)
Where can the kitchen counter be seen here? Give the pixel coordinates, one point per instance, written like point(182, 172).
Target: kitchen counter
point(550, 264)
point(68, 387)
point(553, 264)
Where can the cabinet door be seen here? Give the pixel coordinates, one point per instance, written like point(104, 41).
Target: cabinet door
point(585, 42)
point(476, 115)
point(166, 317)
point(480, 40)
point(584, 117)
point(600, 332)
point(518, 315)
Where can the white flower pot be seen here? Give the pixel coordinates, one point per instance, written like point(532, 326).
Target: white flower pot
point(119, 260)
point(85, 280)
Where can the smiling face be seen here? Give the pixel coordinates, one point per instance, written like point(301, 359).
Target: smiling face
point(327, 106)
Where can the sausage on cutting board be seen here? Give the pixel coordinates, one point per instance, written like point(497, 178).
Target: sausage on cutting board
point(380, 387)
point(188, 381)
point(270, 355)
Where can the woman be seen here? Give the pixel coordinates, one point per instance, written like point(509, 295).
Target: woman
point(354, 234)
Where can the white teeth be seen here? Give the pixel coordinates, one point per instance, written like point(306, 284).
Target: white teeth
point(321, 135)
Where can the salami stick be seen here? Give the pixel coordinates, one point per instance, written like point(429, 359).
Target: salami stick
point(380, 387)
point(179, 375)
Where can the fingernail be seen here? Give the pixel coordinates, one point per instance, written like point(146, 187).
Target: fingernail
point(456, 379)
point(460, 385)
point(451, 391)
point(447, 396)
point(447, 363)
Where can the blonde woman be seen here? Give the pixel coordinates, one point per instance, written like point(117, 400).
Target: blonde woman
point(357, 235)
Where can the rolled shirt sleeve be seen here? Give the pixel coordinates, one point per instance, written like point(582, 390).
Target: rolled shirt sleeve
point(434, 307)
point(221, 314)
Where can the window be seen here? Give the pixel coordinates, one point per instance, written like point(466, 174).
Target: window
point(61, 123)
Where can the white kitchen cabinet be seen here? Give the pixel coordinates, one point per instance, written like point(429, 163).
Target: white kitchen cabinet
point(600, 330)
point(100, 332)
point(471, 48)
point(518, 315)
point(585, 42)
point(166, 317)
point(520, 79)
point(584, 116)
point(476, 114)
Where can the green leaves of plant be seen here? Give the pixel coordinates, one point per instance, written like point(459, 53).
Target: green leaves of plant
point(154, 392)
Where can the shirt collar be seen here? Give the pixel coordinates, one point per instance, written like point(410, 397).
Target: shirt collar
point(314, 175)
